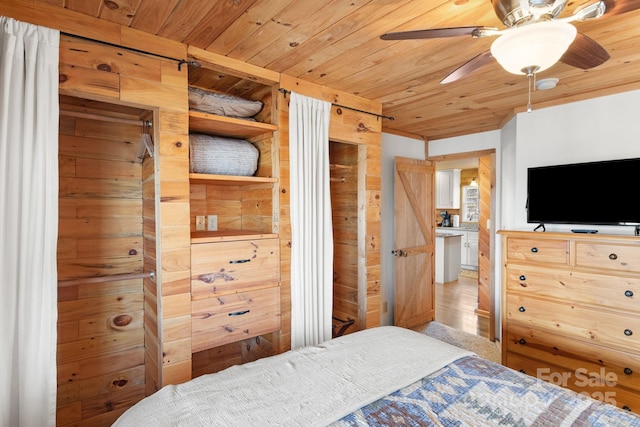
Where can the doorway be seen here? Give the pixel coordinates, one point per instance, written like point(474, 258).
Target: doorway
point(475, 171)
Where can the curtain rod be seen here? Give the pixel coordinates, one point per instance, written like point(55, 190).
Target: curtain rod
point(180, 62)
point(285, 91)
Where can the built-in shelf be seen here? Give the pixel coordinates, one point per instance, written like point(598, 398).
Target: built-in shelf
point(203, 178)
point(229, 235)
point(228, 126)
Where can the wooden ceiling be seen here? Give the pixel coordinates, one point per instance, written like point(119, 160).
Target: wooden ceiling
point(336, 43)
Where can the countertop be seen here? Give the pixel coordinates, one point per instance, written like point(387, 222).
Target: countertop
point(441, 234)
point(465, 228)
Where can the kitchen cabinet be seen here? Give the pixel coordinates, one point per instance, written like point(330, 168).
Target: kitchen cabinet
point(448, 189)
point(470, 203)
point(469, 250)
point(570, 314)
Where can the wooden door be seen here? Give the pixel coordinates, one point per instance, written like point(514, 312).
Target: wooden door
point(414, 242)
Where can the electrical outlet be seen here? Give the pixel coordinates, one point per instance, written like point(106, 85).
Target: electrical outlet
point(200, 223)
point(212, 222)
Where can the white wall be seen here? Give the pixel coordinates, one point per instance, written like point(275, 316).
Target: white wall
point(392, 146)
point(604, 128)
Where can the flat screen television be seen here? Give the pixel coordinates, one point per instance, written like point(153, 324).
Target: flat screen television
point(598, 193)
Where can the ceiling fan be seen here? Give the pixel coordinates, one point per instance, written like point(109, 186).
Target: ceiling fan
point(534, 39)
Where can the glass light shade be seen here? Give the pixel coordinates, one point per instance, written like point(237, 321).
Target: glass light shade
point(534, 47)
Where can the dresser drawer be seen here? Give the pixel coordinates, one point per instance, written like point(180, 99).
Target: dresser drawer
point(611, 257)
point(607, 390)
point(594, 360)
point(603, 327)
point(234, 317)
point(227, 267)
point(540, 251)
point(609, 291)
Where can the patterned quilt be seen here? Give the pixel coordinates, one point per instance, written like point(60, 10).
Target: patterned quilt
point(475, 392)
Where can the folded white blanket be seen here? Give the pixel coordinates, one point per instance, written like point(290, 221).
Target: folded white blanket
point(311, 386)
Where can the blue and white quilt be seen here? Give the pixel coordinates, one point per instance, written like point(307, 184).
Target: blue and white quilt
point(474, 392)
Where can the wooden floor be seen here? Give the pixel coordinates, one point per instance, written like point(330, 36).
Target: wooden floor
point(456, 303)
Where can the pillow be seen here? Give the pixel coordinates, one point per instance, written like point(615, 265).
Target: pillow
point(222, 104)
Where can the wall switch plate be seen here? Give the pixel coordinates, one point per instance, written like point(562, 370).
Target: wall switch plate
point(212, 222)
point(200, 225)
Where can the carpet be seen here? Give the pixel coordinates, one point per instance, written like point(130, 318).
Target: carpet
point(483, 347)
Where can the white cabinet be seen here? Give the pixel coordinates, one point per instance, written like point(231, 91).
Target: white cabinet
point(469, 250)
point(448, 189)
point(470, 203)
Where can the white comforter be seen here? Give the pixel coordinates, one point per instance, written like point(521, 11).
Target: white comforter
point(311, 386)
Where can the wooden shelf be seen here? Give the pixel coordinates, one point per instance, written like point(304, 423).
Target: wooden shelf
point(204, 178)
point(228, 126)
point(229, 235)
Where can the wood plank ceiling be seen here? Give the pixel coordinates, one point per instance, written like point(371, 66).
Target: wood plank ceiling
point(336, 43)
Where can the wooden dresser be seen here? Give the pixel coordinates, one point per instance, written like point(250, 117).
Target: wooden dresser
point(571, 312)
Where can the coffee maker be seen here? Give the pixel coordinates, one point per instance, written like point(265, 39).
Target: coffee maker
point(446, 219)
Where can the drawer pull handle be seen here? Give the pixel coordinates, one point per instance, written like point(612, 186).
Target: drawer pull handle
point(239, 261)
point(628, 371)
point(522, 341)
point(523, 277)
point(613, 257)
point(628, 294)
point(628, 332)
point(239, 313)
point(522, 309)
point(534, 249)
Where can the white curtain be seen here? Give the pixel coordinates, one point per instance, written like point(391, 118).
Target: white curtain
point(28, 222)
point(311, 224)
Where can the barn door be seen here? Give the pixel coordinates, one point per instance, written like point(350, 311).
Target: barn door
point(414, 242)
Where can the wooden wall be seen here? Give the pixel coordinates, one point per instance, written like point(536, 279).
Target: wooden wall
point(101, 368)
point(485, 266)
point(105, 73)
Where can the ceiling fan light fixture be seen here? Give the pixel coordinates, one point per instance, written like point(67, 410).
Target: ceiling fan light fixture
point(533, 48)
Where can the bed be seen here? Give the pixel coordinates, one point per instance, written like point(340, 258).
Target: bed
point(385, 376)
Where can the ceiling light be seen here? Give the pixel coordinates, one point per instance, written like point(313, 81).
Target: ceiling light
point(532, 48)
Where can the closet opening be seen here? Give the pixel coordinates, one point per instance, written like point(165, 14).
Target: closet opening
point(106, 258)
point(347, 201)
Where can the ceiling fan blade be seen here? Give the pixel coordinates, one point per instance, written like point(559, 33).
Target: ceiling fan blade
point(468, 67)
point(585, 53)
point(433, 33)
point(616, 7)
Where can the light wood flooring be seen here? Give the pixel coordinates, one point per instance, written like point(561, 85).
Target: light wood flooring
point(456, 303)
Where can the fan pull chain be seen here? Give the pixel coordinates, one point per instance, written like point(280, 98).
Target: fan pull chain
point(532, 78)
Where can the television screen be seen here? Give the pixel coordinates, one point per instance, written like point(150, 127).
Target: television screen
point(599, 193)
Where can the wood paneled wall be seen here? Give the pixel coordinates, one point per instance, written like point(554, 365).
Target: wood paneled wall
point(352, 127)
point(106, 73)
point(101, 369)
point(486, 168)
point(95, 71)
